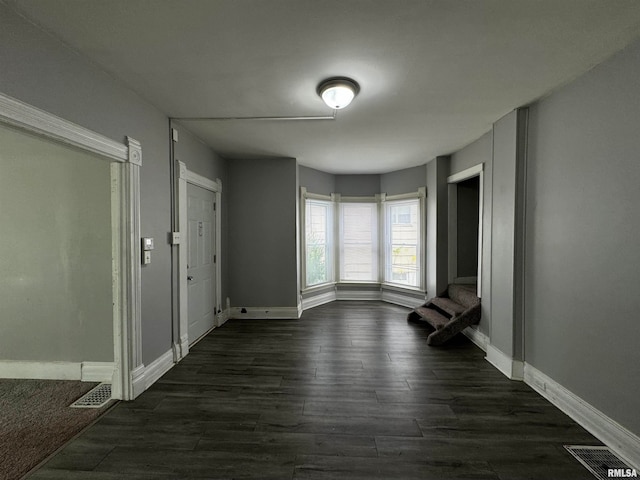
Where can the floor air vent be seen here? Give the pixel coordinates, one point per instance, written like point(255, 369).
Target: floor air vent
point(96, 398)
point(599, 461)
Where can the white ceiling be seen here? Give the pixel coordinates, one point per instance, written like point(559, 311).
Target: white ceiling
point(434, 74)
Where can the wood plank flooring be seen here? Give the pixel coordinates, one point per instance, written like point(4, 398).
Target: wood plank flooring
point(349, 391)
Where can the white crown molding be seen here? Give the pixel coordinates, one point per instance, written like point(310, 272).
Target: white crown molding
point(621, 441)
point(512, 369)
point(266, 313)
point(25, 116)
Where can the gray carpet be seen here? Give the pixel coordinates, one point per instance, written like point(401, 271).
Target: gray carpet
point(35, 420)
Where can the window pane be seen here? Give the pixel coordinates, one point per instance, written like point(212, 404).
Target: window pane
point(358, 242)
point(318, 242)
point(403, 243)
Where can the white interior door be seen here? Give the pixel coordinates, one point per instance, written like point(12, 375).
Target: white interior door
point(201, 261)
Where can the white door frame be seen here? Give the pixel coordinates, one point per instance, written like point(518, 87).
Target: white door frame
point(185, 177)
point(125, 160)
point(452, 181)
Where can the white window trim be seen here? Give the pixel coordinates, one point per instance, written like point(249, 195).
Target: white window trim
point(421, 196)
point(304, 196)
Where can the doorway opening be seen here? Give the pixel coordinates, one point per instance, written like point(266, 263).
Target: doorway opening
point(465, 227)
point(71, 203)
point(199, 262)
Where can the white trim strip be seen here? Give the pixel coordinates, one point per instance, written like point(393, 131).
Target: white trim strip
point(41, 370)
point(223, 317)
point(398, 298)
point(97, 372)
point(266, 313)
point(477, 337)
point(23, 115)
point(345, 294)
point(200, 181)
point(621, 441)
point(320, 299)
point(512, 369)
point(147, 376)
point(465, 174)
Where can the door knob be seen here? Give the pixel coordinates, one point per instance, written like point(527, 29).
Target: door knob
point(189, 278)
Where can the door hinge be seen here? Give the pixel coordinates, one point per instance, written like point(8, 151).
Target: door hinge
point(214, 206)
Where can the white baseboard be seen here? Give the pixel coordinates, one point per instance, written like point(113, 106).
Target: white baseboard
point(319, 299)
point(621, 441)
point(96, 372)
point(223, 317)
point(477, 337)
point(145, 376)
point(138, 380)
point(399, 298)
point(265, 313)
point(83, 371)
point(344, 294)
point(41, 370)
point(512, 369)
point(158, 368)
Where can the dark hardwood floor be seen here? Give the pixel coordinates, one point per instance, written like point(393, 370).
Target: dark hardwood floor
point(350, 391)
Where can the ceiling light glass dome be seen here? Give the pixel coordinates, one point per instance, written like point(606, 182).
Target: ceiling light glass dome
point(337, 93)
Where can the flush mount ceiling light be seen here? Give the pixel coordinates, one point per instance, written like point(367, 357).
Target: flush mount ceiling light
point(338, 92)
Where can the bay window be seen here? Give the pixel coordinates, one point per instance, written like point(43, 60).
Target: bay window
point(363, 239)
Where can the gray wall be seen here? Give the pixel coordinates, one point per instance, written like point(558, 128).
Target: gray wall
point(393, 183)
point(357, 185)
point(403, 181)
point(39, 70)
point(481, 151)
point(468, 204)
point(56, 252)
point(262, 197)
point(316, 181)
point(437, 261)
point(582, 253)
point(503, 232)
